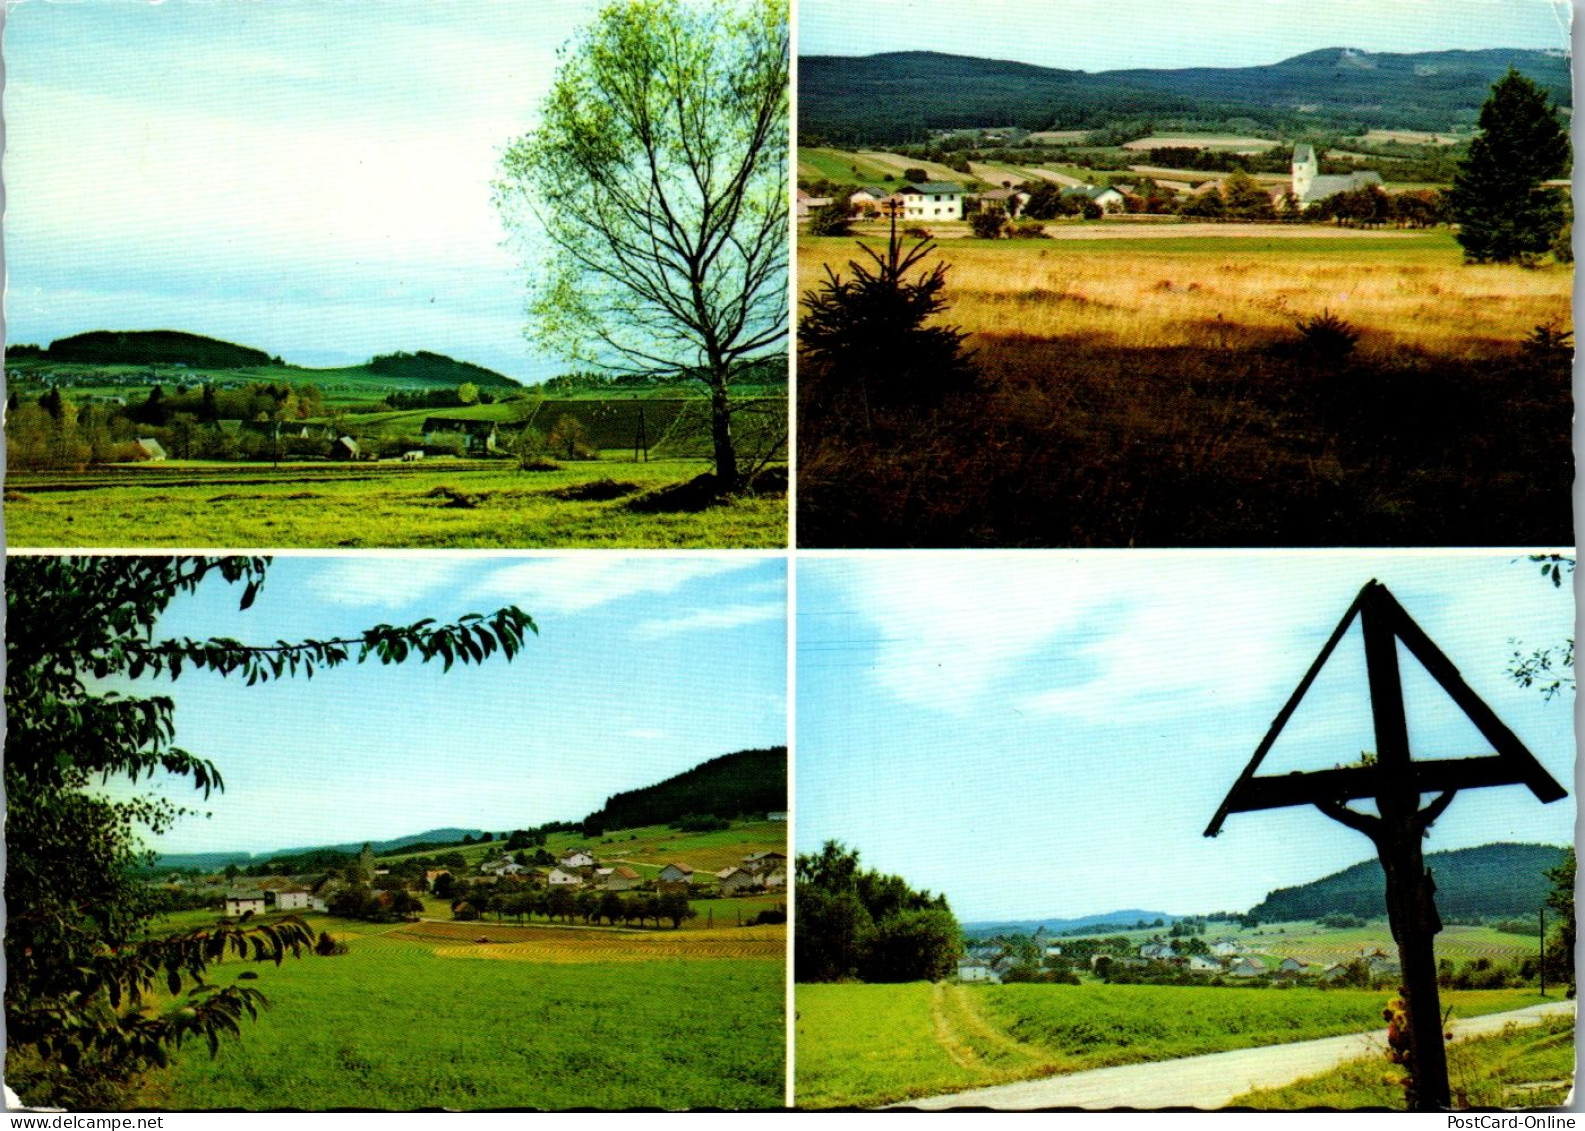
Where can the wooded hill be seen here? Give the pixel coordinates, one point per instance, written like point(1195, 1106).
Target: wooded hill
point(437, 369)
point(749, 781)
point(903, 96)
point(1493, 880)
point(155, 347)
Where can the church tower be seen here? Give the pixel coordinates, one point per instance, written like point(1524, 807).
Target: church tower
point(1305, 167)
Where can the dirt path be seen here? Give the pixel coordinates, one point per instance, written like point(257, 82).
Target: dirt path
point(1212, 1080)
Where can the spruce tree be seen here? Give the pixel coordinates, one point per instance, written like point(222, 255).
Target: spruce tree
point(1502, 211)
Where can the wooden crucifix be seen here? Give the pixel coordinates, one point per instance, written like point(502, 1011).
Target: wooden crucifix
point(1396, 782)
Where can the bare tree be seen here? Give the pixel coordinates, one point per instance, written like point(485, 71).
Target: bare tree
point(652, 198)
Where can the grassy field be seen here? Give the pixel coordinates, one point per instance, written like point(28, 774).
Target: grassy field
point(1204, 141)
point(866, 1045)
point(321, 505)
point(1531, 1067)
point(405, 1020)
point(1153, 387)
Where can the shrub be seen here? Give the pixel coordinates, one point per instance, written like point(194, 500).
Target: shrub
point(700, 823)
point(569, 438)
point(988, 223)
point(1548, 346)
point(834, 219)
point(1326, 339)
point(1029, 231)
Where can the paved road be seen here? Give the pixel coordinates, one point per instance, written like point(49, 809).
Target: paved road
point(1211, 1080)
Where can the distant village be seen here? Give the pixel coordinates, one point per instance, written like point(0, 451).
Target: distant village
point(1195, 960)
point(1308, 193)
point(448, 877)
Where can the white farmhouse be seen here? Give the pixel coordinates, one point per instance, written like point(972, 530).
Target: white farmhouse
point(292, 899)
point(932, 200)
point(241, 902)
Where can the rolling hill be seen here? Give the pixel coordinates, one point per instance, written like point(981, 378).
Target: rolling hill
point(902, 96)
point(154, 347)
point(437, 369)
point(1492, 880)
point(122, 355)
point(1108, 921)
point(207, 861)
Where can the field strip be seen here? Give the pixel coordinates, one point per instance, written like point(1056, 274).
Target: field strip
point(1211, 1080)
point(986, 1032)
point(947, 1036)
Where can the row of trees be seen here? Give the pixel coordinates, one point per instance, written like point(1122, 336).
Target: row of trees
point(569, 906)
point(858, 923)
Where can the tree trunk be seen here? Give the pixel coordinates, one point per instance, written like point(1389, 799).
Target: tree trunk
point(721, 432)
point(1411, 911)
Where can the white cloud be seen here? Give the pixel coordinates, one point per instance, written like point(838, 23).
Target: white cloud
point(381, 582)
point(711, 620)
point(575, 583)
point(1091, 638)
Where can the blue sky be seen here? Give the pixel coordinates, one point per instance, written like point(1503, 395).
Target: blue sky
point(644, 666)
point(1041, 734)
point(308, 178)
point(1104, 35)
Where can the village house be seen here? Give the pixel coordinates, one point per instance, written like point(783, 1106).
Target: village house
point(620, 878)
point(932, 200)
point(149, 449)
point(241, 902)
point(292, 899)
point(973, 970)
point(1200, 964)
point(563, 878)
point(576, 858)
point(763, 862)
point(1157, 952)
point(738, 880)
point(1293, 968)
point(346, 448)
point(1247, 967)
point(870, 200)
point(805, 204)
point(1106, 199)
point(1009, 200)
point(1226, 948)
point(478, 435)
point(677, 878)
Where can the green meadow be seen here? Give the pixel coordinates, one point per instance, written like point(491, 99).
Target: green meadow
point(437, 504)
point(868, 1045)
point(391, 1024)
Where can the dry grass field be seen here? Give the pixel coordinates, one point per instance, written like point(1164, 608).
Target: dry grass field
point(584, 944)
point(1154, 385)
point(1238, 298)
